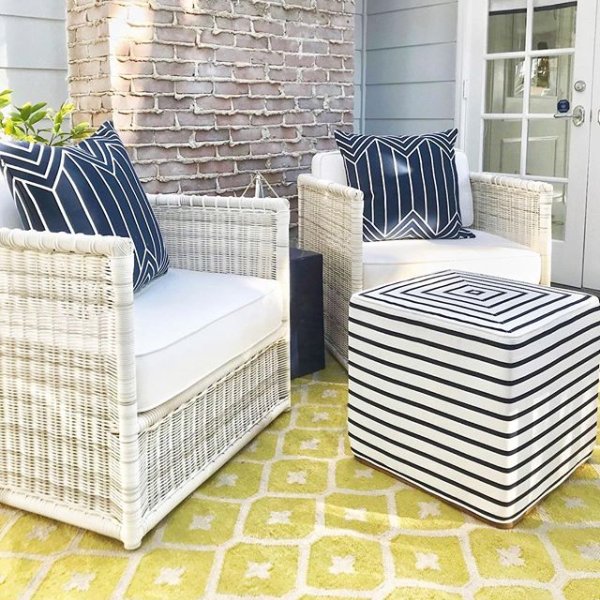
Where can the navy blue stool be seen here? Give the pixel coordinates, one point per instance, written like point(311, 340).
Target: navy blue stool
point(307, 343)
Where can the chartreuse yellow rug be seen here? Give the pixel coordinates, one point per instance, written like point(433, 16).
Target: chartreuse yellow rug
point(295, 516)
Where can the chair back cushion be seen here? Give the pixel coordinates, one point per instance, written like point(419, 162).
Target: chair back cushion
point(330, 167)
point(90, 188)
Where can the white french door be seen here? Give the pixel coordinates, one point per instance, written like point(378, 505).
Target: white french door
point(531, 107)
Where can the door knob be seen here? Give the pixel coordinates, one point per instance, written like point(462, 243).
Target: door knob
point(577, 115)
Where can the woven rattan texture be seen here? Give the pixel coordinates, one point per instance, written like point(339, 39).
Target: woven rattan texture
point(72, 443)
point(517, 210)
point(330, 222)
point(188, 440)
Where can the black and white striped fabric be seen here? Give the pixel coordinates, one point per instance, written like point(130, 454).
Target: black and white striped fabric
point(478, 389)
point(409, 182)
point(90, 188)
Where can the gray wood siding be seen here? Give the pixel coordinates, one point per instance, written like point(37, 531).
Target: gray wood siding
point(410, 65)
point(33, 50)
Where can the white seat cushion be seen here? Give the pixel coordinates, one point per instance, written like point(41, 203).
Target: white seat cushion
point(387, 262)
point(330, 167)
point(188, 324)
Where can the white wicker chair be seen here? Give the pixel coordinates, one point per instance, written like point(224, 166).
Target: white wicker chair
point(330, 222)
point(72, 443)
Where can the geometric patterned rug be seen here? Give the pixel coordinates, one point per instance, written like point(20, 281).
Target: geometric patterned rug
point(294, 516)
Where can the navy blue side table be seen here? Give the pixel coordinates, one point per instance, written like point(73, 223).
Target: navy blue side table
point(307, 343)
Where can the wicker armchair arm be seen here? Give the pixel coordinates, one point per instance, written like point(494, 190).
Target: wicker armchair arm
point(517, 209)
point(65, 299)
point(330, 219)
point(67, 371)
point(242, 236)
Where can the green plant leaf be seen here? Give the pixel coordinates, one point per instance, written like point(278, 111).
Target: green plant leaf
point(8, 126)
point(38, 106)
point(39, 123)
point(37, 117)
point(5, 98)
point(25, 110)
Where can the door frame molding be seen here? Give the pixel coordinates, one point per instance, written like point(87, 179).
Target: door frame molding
point(463, 59)
point(591, 267)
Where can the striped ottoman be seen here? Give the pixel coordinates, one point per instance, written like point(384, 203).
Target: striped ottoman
point(480, 390)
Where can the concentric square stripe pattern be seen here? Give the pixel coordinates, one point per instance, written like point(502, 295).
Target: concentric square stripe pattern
point(479, 389)
point(295, 516)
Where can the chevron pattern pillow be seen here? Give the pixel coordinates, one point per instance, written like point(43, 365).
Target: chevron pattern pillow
point(89, 188)
point(409, 182)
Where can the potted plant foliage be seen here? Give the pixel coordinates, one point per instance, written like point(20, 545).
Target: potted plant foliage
point(39, 123)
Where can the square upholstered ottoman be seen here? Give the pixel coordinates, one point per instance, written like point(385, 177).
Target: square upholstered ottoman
point(480, 390)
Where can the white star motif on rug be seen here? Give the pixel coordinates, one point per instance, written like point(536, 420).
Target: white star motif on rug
point(342, 565)
point(226, 480)
point(510, 556)
point(320, 416)
point(590, 551)
point(309, 444)
point(202, 522)
point(281, 517)
point(169, 576)
point(363, 473)
point(572, 502)
point(355, 514)
point(258, 570)
point(296, 477)
point(427, 560)
point(253, 447)
point(329, 394)
point(543, 514)
point(429, 509)
point(80, 582)
point(41, 532)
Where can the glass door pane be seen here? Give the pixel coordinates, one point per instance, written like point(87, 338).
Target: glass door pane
point(548, 148)
point(504, 86)
point(506, 28)
point(502, 146)
point(554, 24)
point(529, 68)
point(559, 211)
point(551, 81)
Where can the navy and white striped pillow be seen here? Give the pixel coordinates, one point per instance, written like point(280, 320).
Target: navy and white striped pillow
point(409, 182)
point(90, 188)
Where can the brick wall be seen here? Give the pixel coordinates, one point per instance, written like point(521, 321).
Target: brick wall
point(206, 92)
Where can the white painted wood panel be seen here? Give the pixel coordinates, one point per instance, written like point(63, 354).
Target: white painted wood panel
point(33, 50)
point(410, 55)
point(381, 6)
point(433, 100)
point(26, 43)
point(414, 27)
point(412, 64)
point(407, 126)
point(39, 9)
